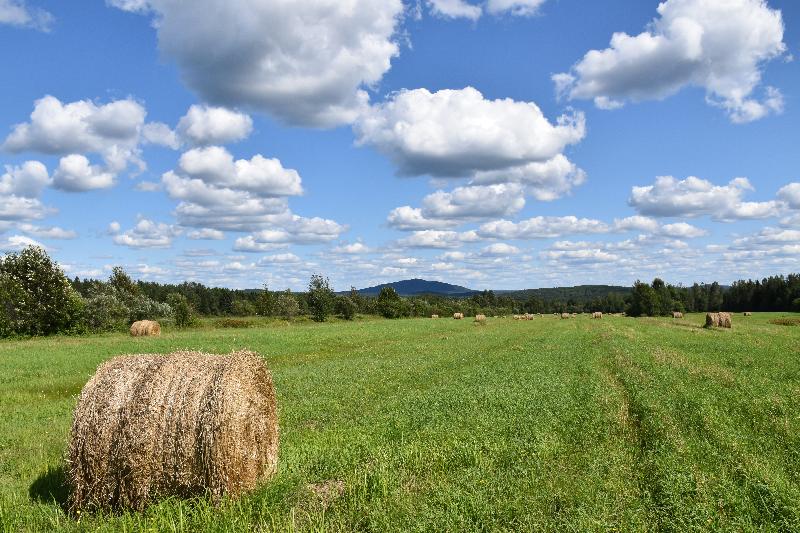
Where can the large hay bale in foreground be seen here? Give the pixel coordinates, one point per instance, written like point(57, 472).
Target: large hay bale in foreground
point(458, 316)
point(725, 320)
point(183, 424)
point(145, 328)
point(677, 314)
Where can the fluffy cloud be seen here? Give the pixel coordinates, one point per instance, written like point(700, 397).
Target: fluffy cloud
point(474, 202)
point(21, 208)
point(437, 239)
point(791, 195)
point(668, 197)
point(408, 218)
point(26, 180)
point(206, 234)
point(682, 230)
point(112, 130)
point(579, 256)
point(541, 228)
point(219, 193)
point(455, 9)
point(53, 232)
point(545, 181)
point(352, 248)
point(16, 243)
point(289, 228)
point(147, 234)
point(262, 176)
point(456, 133)
point(499, 249)
point(204, 125)
point(17, 13)
point(305, 62)
point(719, 46)
point(463, 9)
point(76, 174)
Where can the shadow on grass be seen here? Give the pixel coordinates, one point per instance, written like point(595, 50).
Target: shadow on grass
point(51, 487)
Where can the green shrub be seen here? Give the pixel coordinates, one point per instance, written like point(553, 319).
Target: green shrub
point(346, 307)
point(285, 305)
point(182, 311)
point(233, 323)
point(391, 305)
point(320, 298)
point(104, 311)
point(41, 299)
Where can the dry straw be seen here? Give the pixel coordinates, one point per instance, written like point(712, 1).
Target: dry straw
point(676, 314)
point(434, 316)
point(184, 424)
point(748, 313)
point(458, 316)
point(597, 315)
point(480, 319)
point(566, 315)
point(145, 328)
point(718, 320)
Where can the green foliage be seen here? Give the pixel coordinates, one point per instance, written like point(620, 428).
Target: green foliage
point(42, 300)
point(241, 307)
point(233, 323)
point(105, 311)
point(265, 302)
point(182, 311)
point(320, 298)
point(285, 305)
point(391, 305)
point(643, 300)
point(346, 307)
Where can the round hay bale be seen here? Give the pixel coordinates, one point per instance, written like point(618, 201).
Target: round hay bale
point(597, 314)
point(748, 313)
point(677, 314)
point(480, 319)
point(145, 328)
point(434, 316)
point(458, 316)
point(184, 424)
point(566, 315)
point(725, 320)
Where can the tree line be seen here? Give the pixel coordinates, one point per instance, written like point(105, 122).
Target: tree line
point(36, 298)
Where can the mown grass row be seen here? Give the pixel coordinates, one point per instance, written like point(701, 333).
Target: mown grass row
point(411, 425)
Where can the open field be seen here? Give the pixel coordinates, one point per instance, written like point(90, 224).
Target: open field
point(442, 425)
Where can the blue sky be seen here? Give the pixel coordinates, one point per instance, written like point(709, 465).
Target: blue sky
point(488, 143)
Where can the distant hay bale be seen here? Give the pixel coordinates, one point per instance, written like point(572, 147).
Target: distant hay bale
point(718, 320)
point(597, 314)
point(677, 314)
point(145, 328)
point(517, 317)
point(566, 315)
point(458, 316)
point(179, 425)
point(480, 319)
point(748, 313)
point(434, 316)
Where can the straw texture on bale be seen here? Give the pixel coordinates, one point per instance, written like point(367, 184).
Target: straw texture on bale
point(145, 328)
point(184, 424)
point(597, 315)
point(677, 314)
point(718, 320)
point(458, 316)
point(480, 319)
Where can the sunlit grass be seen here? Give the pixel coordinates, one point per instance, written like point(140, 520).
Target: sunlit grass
point(439, 425)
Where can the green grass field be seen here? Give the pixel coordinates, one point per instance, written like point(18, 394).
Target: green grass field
point(442, 425)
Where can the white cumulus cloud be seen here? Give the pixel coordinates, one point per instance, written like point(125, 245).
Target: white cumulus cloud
point(76, 174)
point(306, 62)
point(204, 125)
point(720, 46)
point(18, 13)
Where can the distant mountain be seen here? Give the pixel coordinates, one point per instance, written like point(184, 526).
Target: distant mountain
point(411, 287)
